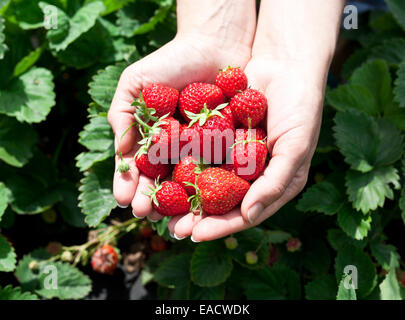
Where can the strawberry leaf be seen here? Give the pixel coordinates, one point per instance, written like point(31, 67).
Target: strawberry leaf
point(353, 223)
point(3, 46)
point(337, 239)
point(321, 288)
point(211, 264)
point(345, 293)
point(398, 10)
point(97, 134)
point(15, 293)
point(386, 255)
point(3, 199)
point(7, 255)
point(399, 90)
point(389, 288)
point(368, 190)
point(173, 271)
point(96, 197)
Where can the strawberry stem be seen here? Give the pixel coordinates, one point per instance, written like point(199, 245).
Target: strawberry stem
point(123, 166)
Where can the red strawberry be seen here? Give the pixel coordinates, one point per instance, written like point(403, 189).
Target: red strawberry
point(167, 136)
point(228, 167)
point(293, 244)
point(212, 131)
point(151, 170)
point(159, 97)
point(227, 112)
point(186, 171)
point(249, 153)
point(231, 81)
point(195, 95)
point(146, 231)
point(219, 191)
point(249, 104)
point(273, 255)
point(104, 260)
point(157, 243)
point(169, 198)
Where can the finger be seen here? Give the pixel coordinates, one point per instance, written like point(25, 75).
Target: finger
point(216, 227)
point(120, 114)
point(182, 226)
point(155, 216)
point(288, 155)
point(124, 184)
point(141, 203)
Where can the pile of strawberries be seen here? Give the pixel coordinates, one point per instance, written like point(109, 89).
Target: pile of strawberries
point(206, 137)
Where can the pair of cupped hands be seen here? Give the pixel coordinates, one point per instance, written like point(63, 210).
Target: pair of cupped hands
point(293, 122)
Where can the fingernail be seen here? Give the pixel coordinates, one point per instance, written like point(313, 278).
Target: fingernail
point(151, 220)
point(121, 206)
point(254, 212)
point(192, 239)
point(177, 237)
point(172, 235)
point(133, 213)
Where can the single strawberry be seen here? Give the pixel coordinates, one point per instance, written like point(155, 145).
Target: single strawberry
point(186, 171)
point(249, 153)
point(227, 112)
point(169, 198)
point(211, 132)
point(151, 170)
point(218, 191)
point(249, 104)
point(157, 243)
point(273, 255)
point(195, 95)
point(146, 231)
point(293, 244)
point(228, 167)
point(159, 97)
point(104, 260)
point(231, 81)
point(251, 257)
point(231, 243)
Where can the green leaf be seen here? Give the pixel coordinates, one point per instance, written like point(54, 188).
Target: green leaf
point(386, 255)
point(10, 293)
point(276, 283)
point(27, 62)
point(207, 293)
point(70, 282)
point(16, 141)
point(3, 199)
point(368, 190)
point(33, 189)
point(353, 223)
point(211, 264)
point(69, 207)
point(86, 160)
point(337, 239)
point(352, 96)
point(321, 288)
point(375, 76)
point(391, 146)
point(315, 256)
point(389, 288)
point(69, 29)
point(402, 204)
point(7, 256)
point(345, 294)
point(174, 271)
point(112, 5)
point(102, 88)
point(277, 236)
point(250, 240)
point(391, 50)
point(96, 197)
point(3, 46)
point(399, 90)
point(356, 135)
point(398, 10)
point(322, 197)
point(29, 97)
point(141, 17)
point(366, 273)
point(97, 135)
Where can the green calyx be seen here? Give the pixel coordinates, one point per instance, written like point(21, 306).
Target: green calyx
point(142, 110)
point(123, 166)
point(200, 167)
point(153, 191)
point(249, 137)
point(147, 132)
point(205, 114)
point(195, 200)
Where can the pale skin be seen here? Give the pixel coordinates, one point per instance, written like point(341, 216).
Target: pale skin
point(286, 55)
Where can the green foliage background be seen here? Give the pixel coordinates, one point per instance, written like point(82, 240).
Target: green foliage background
point(355, 194)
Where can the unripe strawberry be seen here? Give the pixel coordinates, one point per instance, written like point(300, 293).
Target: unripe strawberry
point(251, 257)
point(66, 256)
point(33, 266)
point(54, 247)
point(157, 243)
point(231, 81)
point(104, 260)
point(49, 216)
point(146, 231)
point(293, 244)
point(273, 255)
point(231, 243)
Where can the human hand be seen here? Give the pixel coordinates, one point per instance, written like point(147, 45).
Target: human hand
point(188, 58)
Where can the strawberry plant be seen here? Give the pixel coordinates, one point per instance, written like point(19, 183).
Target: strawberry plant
point(58, 215)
